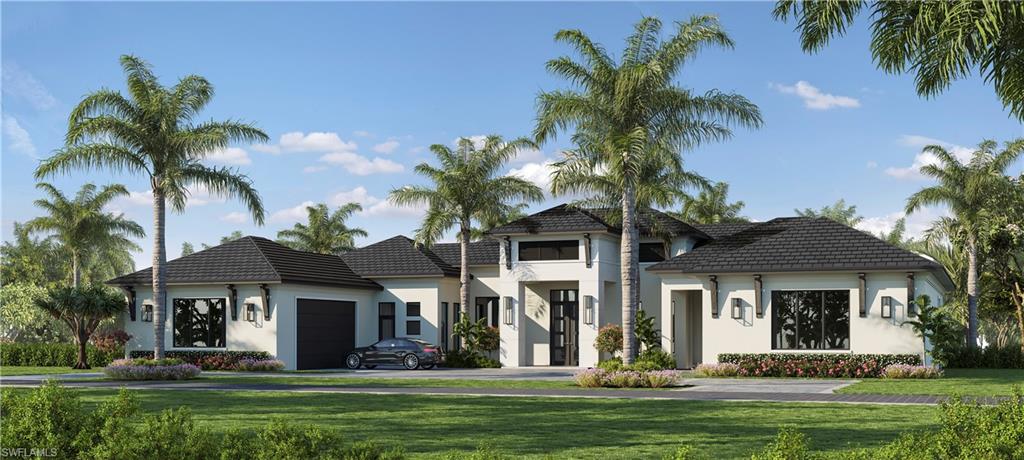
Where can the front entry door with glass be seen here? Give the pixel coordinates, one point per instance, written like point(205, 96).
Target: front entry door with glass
point(564, 327)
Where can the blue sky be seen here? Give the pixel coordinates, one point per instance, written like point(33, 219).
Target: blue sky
point(352, 94)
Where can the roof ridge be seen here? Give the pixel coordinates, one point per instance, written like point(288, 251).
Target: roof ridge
point(264, 256)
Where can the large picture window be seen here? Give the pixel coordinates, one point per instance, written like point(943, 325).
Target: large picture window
point(811, 320)
point(549, 250)
point(652, 252)
point(199, 323)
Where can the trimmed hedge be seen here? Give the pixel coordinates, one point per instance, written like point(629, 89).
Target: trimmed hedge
point(842, 365)
point(209, 360)
point(54, 354)
point(990, 357)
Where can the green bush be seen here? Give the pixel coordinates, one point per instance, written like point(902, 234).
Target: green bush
point(789, 444)
point(990, 357)
point(609, 339)
point(841, 365)
point(53, 355)
point(611, 365)
point(468, 360)
point(656, 359)
point(484, 451)
point(209, 360)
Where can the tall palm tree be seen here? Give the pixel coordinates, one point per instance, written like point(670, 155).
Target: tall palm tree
point(326, 232)
point(153, 133)
point(466, 188)
point(81, 226)
point(839, 212)
point(712, 207)
point(940, 42)
point(965, 189)
point(623, 110)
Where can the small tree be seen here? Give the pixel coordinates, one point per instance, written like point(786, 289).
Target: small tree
point(936, 327)
point(82, 309)
point(477, 335)
point(648, 335)
point(609, 339)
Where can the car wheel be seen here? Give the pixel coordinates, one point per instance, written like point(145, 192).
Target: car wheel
point(370, 366)
point(427, 366)
point(353, 361)
point(411, 361)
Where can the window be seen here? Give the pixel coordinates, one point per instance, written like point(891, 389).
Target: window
point(549, 250)
point(386, 320)
point(199, 323)
point(444, 325)
point(811, 320)
point(487, 308)
point(652, 252)
point(412, 309)
point(412, 327)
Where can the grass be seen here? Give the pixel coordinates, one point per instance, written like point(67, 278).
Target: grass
point(9, 371)
point(428, 426)
point(967, 382)
point(393, 382)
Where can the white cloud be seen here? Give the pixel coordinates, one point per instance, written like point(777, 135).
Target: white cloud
point(17, 139)
point(387, 146)
point(925, 158)
point(361, 133)
point(538, 173)
point(313, 169)
point(478, 140)
point(312, 142)
point(293, 214)
point(197, 196)
point(529, 156)
point(360, 165)
point(372, 205)
point(230, 156)
point(917, 223)
point(813, 97)
point(235, 217)
point(20, 84)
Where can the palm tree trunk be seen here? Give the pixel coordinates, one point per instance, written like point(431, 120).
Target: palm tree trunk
point(629, 264)
point(1018, 301)
point(464, 268)
point(76, 271)
point(159, 273)
point(972, 292)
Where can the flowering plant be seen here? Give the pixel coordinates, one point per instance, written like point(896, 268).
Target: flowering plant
point(259, 365)
point(150, 369)
point(904, 371)
point(596, 378)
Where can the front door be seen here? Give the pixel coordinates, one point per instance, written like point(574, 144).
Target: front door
point(487, 307)
point(564, 330)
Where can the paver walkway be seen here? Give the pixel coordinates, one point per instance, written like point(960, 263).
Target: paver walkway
point(708, 393)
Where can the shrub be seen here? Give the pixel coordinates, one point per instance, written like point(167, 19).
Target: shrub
point(484, 451)
point(684, 453)
point(647, 335)
point(717, 370)
point(209, 360)
point(151, 369)
point(814, 364)
point(626, 378)
point(656, 359)
point(259, 365)
point(904, 371)
point(789, 444)
point(1009, 357)
point(660, 379)
point(111, 341)
point(609, 339)
point(610, 365)
point(590, 378)
point(53, 354)
point(489, 339)
point(469, 360)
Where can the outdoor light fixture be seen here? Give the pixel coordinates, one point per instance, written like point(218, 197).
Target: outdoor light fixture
point(147, 313)
point(508, 311)
point(737, 308)
point(886, 307)
point(588, 309)
point(250, 312)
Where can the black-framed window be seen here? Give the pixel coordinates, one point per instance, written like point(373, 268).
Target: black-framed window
point(811, 320)
point(412, 327)
point(487, 307)
point(385, 320)
point(549, 250)
point(652, 252)
point(412, 309)
point(444, 325)
point(199, 323)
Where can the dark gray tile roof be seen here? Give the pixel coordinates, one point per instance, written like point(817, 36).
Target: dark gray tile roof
point(397, 256)
point(483, 252)
point(564, 218)
point(254, 259)
point(723, 229)
point(796, 244)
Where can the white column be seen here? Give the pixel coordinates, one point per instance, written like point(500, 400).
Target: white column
point(588, 332)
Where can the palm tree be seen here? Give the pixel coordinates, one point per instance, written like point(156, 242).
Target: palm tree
point(939, 41)
point(625, 112)
point(467, 188)
point(153, 132)
point(838, 212)
point(326, 232)
point(711, 207)
point(82, 227)
point(966, 189)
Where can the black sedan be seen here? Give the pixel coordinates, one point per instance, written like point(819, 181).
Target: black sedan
point(411, 353)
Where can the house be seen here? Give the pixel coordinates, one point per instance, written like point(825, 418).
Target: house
point(548, 282)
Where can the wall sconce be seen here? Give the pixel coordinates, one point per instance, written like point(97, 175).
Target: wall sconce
point(147, 313)
point(250, 312)
point(507, 317)
point(737, 308)
point(886, 307)
point(588, 309)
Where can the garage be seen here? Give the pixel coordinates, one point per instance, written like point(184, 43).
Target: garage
point(326, 333)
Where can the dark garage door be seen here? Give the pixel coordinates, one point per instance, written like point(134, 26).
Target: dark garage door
point(326, 332)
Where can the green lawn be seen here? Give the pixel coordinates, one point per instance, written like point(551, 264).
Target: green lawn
point(8, 371)
point(536, 427)
point(393, 382)
point(967, 382)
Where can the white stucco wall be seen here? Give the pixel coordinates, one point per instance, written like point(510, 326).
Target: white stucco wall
point(401, 291)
